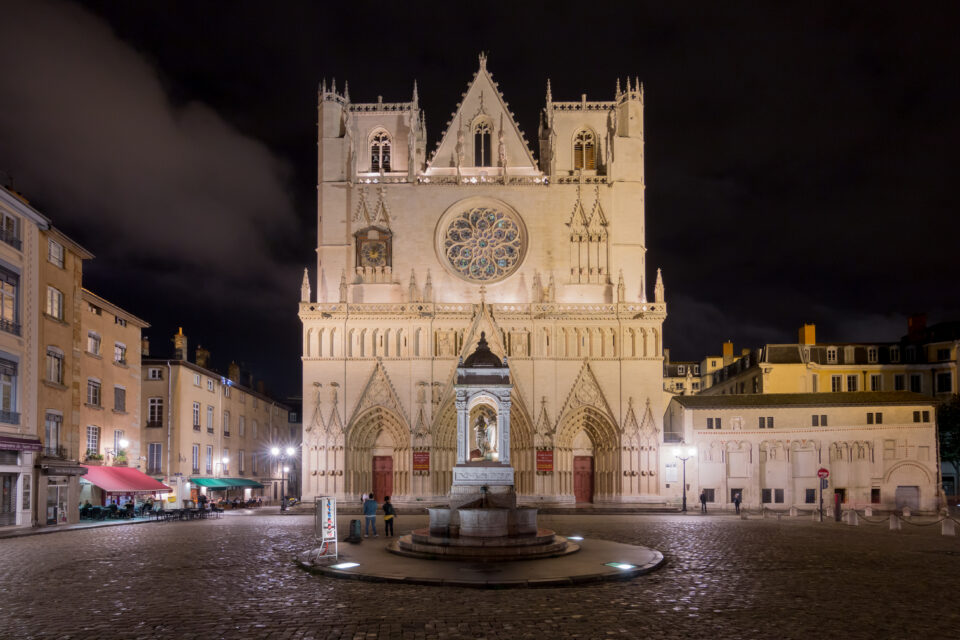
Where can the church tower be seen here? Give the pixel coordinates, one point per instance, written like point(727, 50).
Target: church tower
point(419, 254)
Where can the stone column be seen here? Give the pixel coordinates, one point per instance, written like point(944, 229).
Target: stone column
point(503, 427)
point(463, 427)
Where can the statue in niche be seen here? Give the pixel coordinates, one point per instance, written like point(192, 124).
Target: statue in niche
point(485, 438)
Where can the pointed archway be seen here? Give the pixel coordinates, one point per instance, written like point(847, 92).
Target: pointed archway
point(377, 432)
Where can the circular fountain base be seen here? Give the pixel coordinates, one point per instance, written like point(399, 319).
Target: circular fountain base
point(420, 543)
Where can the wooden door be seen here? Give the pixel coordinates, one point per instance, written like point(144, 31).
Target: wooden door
point(583, 478)
point(382, 477)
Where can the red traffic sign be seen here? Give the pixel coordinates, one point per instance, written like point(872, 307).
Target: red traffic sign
point(823, 473)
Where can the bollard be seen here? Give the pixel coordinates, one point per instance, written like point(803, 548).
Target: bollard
point(793, 511)
point(868, 512)
point(854, 519)
point(906, 512)
point(816, 516)
point(948, 527)
point(743, 514)
point(894, 522)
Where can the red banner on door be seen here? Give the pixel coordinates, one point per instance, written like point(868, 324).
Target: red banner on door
point(421, 461)
point(545, 460)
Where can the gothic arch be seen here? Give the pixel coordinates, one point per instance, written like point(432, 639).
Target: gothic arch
point(928, 478)
point(605, 438)
point(583, 149)
point(362, 435)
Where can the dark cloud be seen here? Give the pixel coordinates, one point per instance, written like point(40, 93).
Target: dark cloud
point(799, 156)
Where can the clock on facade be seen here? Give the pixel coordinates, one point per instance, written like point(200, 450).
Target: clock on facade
point(373, 248)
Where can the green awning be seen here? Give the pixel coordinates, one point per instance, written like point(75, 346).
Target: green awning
point(225, 483)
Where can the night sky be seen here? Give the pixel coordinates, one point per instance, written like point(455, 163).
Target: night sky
point(800, 158)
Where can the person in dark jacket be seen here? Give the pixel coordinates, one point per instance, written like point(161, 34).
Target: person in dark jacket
point(736, 501)
point(389, 515)
point(703, 502)
point(370, 507)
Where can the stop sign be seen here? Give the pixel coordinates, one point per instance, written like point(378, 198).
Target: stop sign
point(823, 473)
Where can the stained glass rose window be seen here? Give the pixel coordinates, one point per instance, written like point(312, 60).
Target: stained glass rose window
point(483, 243)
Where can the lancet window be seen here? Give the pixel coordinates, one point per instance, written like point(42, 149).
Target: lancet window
point(380, 151)
point(482, 132)
point(585, 150)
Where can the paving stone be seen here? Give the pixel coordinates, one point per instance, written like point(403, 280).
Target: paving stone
point(724, 578)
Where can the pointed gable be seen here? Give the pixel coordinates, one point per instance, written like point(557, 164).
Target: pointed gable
point(379, 392)
point(482, 103)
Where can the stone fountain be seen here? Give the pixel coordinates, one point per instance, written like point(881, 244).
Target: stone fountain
point(483, 521)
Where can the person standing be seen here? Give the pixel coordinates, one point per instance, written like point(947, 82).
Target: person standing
point(736, 501)
point(389, 514)
point(703, 502)
point(370, 507)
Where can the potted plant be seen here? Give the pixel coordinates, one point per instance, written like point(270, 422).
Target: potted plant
point(94, 457)
point(120, 460)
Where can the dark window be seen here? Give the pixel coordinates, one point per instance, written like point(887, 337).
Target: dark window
point(766, 496)
point(899, 382)
point(916, 416)
point(875, 495)
point(716, 423)
point(709, 494)
point(944, 382)
point(916, 383)
point(926, 416)
point(823, 419)
point(842, 493)
point(481, 145)
point(778, 496)
point(763, 423)
point(879, 418)
point(815, 420)
point(869, 418)
point(709, 423)
point(769, 422)
point(943, 354)
point(810, 496)
point(734, 492)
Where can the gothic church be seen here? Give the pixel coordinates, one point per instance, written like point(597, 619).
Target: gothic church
point(419, 252)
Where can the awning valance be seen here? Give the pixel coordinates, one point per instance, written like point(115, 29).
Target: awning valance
point(123, 480)
point(225, 483)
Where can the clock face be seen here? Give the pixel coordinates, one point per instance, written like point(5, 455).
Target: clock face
point(373, 253)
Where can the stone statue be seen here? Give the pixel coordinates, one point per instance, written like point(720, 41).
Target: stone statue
point(483, 444)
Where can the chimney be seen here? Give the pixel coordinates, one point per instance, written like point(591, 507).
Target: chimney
point(808, 334)
point(666, 356)
point(916, 325)
point(727, 352)
point(145, 347)
point(180, 345)
point(233, 372)
point(203, 357)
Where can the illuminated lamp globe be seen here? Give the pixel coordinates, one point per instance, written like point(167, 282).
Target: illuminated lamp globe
point(275, 451)
point(124, 443)
point(290, 451)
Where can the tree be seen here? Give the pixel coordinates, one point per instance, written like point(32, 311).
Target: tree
point(948, 423)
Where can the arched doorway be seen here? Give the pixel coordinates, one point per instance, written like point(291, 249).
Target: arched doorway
point(378, 454)
point(587, 460)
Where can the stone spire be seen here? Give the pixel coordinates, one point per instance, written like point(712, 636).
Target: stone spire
point(428, 288)
point(658, 288)
point(621, 289)
point(346, 91)
point(549, 92)
point(305, 287)
point(412, 294)
point(343, 286)
point(416, 95)
point(643, 288)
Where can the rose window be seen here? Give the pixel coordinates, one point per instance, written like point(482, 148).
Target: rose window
point(483, 244)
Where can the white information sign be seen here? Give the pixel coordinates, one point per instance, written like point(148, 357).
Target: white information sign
point(325, 526)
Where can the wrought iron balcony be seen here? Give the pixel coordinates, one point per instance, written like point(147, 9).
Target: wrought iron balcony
point(10, 237)
point(226, 434)
point(196, 427)
point(209, 429)
point(154, 424)
point(55, 452)
point(10, 417)
point(153, 471)
point(195, 471)
point(9, 326)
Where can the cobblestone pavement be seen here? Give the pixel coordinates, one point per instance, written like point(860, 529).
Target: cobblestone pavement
point(725, 578)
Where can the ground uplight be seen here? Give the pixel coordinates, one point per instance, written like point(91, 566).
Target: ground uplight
point(345, 565)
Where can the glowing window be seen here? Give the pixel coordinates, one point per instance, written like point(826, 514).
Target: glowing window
point(584, 150)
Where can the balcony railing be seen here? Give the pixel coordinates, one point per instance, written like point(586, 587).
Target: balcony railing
point(9, 326)
point(10, 237)
point(226, 434)
point(55, 452)
point(10, 417)
point(154, 424)
point(153, 471)
point(209, 429)
point(195, 471)
point(196, 427)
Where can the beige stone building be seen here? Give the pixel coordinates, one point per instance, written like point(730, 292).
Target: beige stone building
point(420, 252)
point(60, 354)
point(208, 433)
point(880, 449)
point(110, 383)
point(20, 226)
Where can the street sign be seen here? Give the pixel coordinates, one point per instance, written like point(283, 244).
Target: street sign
point(824, 483)
point(325, 527)
point(823, 473)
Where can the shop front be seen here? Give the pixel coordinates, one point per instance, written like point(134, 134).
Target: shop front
point(58, 487)
point(241, 490)
point(106, 486)
point(16, 480)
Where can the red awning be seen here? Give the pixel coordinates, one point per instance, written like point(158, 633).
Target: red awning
point(123, 480)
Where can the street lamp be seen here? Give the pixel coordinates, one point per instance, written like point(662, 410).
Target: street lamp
point(678, 454)
point(282, 457)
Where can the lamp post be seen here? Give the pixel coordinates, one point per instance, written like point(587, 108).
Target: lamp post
point(282, 456)
point(678, 454)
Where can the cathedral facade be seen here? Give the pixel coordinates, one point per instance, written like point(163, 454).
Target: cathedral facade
point(419, 253)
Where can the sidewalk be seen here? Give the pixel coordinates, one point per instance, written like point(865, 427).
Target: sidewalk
point(36, 531)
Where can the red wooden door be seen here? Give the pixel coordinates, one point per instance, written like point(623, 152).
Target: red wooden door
point(583, 478)
point(382, 477)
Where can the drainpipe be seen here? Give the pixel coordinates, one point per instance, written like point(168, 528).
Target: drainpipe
point(169, 419)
